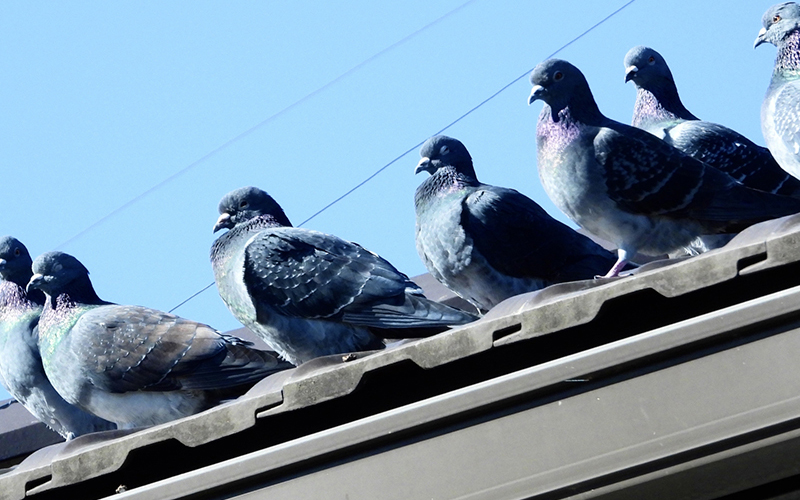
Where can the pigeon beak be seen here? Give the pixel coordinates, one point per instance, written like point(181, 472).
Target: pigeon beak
point(3, 263)
point(762, 37)
point(224, 221)
point(35, 282)
point(630, 73)
point(536, 94)
point(424, 165)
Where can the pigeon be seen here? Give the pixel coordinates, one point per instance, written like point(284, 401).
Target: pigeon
point(780, 111)
point(627, 186)
point(21, 370)
point(309, 294)
point(132, 365)
point(488, 243)
point(659, 110)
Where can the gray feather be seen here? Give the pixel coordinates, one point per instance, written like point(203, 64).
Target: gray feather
point(627, 186)
point(133, 365)
point(780, 111)
point(310, 294)
point(21, 369)
point(488, 243)
point(660, 111)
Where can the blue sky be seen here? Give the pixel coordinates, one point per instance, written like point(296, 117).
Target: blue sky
point(103, 101)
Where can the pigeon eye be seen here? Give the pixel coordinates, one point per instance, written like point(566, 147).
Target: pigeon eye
point(652, 60)
point(17, 252)
point(57, 268)
point(243, 204)
point(444, 150)
point(558, 76)
point(776, 18)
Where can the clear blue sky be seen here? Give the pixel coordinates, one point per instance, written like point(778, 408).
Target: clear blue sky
point(102, 101)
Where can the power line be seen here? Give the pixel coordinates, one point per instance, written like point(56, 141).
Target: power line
point(475, 108)
point(413, 148)
point(193, 295)
point(264, 122)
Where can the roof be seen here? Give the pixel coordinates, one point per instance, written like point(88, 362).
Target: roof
point(678, 382)
point(21, 434)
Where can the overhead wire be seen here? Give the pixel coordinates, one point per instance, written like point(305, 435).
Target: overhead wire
point(416, 146)
point(471, 110)
point(264, 122)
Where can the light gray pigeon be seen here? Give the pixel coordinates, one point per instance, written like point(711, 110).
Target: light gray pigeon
point(627, 186)
point(132, 365)
point(659, 110)
point(21, 368)
point(488, 243)
point(780, 111)
point(310, 294)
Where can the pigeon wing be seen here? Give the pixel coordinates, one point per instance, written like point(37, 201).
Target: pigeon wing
point(518, 238)
point(734, 154)
point(313, 275)
point(136, 348)
point(645, 175)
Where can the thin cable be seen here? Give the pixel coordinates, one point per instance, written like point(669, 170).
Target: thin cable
point(264, 122)
point(413, 148)
point(475, 108)
point(193, 296)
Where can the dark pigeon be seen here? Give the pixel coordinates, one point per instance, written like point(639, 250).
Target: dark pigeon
point(780, 111)
point(488, 243)
point(659, 110)
point(627, 186)
point(132, 365)
point(310, 294)
point(21, 369)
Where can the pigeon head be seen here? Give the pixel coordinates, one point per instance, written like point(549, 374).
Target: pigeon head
point(646, 68)
point(441, 151)
point(15, 261)
point(53, 272)
point(244, 204)
point(560, 84)
point(779, 22)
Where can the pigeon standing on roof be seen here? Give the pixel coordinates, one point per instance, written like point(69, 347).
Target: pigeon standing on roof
point(488, 243)
point(627, 186)
point(132, 365)
point(659, 110)
point(780, 111)
point(310, 294)
point(21, 368)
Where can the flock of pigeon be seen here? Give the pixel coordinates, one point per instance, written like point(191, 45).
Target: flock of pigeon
point(669, 183)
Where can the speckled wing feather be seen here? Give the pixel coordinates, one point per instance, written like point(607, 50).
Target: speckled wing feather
point(136, 348)
point(734, 154)
point(645, 175)
point(518, 238)
point(307, 274)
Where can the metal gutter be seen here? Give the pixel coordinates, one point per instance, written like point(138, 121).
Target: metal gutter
point(680, 436)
